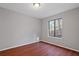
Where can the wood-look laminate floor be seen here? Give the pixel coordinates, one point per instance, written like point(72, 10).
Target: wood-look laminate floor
point(39, 49)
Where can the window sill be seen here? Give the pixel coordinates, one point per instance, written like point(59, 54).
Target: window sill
point(55, 37)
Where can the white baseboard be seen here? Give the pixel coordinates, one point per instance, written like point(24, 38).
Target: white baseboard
point(61, 45)
point(18, 46)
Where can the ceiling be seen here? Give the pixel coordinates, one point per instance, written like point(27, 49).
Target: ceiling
point(45, 10)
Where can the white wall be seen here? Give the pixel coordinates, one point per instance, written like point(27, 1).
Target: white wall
point(17, 29)
point(70, 29)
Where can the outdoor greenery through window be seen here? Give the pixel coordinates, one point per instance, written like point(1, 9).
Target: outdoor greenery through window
point(55, 28)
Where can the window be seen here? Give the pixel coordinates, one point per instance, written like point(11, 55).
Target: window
point(55, 28)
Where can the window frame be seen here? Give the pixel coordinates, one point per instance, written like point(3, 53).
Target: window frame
point(54, 29)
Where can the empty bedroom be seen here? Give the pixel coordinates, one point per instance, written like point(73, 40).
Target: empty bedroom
point(39, 29)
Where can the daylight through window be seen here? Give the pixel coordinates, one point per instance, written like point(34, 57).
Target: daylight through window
point(55, 27)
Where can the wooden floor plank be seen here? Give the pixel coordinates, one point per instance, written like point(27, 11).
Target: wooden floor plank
point(39, 49)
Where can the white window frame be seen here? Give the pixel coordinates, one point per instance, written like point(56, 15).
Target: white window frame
point(48, 29)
